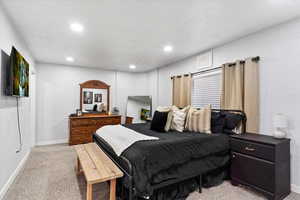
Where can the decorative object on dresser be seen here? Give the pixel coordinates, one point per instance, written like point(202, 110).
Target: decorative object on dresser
point(262, 163)
point(83, 127)
point(94, 94)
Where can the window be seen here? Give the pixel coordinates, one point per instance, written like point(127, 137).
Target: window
point(206, 89)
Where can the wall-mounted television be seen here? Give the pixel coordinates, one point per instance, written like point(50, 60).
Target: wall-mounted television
point(17, 75)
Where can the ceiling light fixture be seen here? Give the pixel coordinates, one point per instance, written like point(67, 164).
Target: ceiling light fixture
point(76, 27)
point(168, 48)
point(132, 66)
point(70, 59)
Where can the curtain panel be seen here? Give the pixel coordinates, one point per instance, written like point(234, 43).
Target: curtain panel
point(240, 90)
point(181, 92)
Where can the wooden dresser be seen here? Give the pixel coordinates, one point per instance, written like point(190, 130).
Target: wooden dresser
point(82, 128)
point(262, 163)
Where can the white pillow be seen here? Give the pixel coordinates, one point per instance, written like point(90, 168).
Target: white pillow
point(170, 118)
point(178, 118)
point(163, 108)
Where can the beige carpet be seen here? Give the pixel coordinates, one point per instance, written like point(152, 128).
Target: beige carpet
point(49, 175)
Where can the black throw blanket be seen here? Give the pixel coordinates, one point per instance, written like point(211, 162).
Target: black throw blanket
point(172, 150)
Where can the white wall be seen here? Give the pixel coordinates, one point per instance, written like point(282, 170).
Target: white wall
point(130, 84)
point(152, 83)
point(58, 95)
point(279, 49)
point(9, 159)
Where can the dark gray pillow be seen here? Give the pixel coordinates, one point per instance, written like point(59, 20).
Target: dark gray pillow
point(233, 120)
point(218, 121)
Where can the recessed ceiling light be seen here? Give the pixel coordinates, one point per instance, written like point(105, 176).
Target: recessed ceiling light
point(168, 48)
point(132, 66)
point(76, 27)
point(70, 59)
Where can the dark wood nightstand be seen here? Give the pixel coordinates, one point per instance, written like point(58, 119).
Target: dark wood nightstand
point(262, 163)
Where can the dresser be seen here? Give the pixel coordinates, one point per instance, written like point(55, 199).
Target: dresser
point(262, 163)
point(82, 128)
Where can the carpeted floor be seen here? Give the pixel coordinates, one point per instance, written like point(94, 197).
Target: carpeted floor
point(49, 175)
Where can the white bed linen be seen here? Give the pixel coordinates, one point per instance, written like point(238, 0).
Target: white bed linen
point(120, 137)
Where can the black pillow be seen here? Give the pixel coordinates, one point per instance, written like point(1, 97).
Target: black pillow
point(159, 121)
point(217, 122)
point(233, 120)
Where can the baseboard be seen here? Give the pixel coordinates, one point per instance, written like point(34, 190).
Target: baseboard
point(295, 188)
point(11, 179)
point(49, 142)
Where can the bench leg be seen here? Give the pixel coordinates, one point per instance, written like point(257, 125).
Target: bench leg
point(112, 193)
point(78, 168)
point(89, 192)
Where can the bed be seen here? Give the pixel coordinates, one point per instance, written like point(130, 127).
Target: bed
point(176, 163)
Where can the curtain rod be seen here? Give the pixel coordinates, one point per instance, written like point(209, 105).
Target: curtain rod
point(254, 59)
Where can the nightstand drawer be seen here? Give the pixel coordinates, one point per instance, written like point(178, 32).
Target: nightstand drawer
point(262, 151)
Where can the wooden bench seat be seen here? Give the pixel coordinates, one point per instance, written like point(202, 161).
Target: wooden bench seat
point(97, 168)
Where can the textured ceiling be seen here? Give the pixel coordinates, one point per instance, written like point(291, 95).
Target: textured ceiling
point(118, 33)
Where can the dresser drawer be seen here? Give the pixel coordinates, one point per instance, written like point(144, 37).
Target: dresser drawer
point(82, 128)
point(253, 171)
point(258, 150)
point(81, 131)
point(80, 136)
point(111, 121)
point(83, 122)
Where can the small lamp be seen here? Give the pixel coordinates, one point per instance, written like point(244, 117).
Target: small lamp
point(280, 123)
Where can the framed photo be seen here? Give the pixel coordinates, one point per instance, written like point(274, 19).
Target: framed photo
point(98, 98)
point(78, 112)
point(87, 97)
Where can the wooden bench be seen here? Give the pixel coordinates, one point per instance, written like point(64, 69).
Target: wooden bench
point(97, 168)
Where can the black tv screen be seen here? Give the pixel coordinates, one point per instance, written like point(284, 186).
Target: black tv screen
point(18, 75)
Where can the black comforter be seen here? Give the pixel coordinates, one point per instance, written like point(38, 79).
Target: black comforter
point(174, 156)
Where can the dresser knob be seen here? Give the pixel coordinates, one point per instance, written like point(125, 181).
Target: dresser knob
point(233, 156)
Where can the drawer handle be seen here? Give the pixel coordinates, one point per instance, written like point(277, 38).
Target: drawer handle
point(249, 149)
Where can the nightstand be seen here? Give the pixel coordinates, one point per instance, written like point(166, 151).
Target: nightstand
point(262, 163)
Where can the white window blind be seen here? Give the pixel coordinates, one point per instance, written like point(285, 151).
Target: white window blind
point(206, 89)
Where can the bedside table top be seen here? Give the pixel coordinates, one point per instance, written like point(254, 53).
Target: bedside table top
point(260, 138)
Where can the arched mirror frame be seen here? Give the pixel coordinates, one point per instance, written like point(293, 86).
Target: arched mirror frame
point(95, 84)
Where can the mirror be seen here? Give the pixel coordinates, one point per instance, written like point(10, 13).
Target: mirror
point(94, 97)
point(139, 108)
